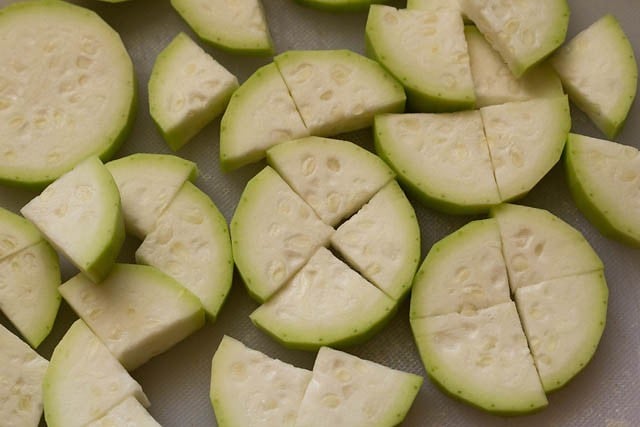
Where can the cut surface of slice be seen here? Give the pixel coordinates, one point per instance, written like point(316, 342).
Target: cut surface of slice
point(427, 52)
point(599, 72)
point(603, 178)
point(22, 371)
point(147, 184)
point(382, 241)
point(191, 244)
point(338, 91)
point(348, 391)
point(442, 158)
point(249, 388)
point(68, 90)
point(83, 202)
point(325, 303)
point(84, 381)
point(237, 26)
point(137, 311)
point(264, 101)
point(127, 413)
point(187, 90)
point(523, 33)
point(16, 233)
point(334, 177)
point(273, 232)
point(563, 320)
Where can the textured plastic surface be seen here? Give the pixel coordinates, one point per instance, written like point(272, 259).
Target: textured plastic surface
point(605, 394)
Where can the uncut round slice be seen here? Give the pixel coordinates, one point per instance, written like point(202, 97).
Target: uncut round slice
point(338, 91)
point(325, 303)
point(67, 92)
point(603, 178)
point(523, 33)
point(348, 391)
point(137, 311)
point(147, 184)
point(442, 158)
point(427, 52)
point(127, 413)
point(599, 72)
point(80, 215)
point(334, 177)
point(187, 90)
point(191, 243)
point(249, 388)
point(236, 26)
point(84, 381)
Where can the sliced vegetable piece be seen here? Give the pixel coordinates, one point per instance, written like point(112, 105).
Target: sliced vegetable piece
point(80, 215)
point(264, 101)
point(68, 90)
point(237, 27)
point(603, 177)
point(16, 233)
point(127, 413)
point(187, 90)
point(599, 72)
point(340, 5)
point(347, 390)
point(325, 303)
point(191, 244)
point(334, 177)
point(338, 90)
point(249, 388)
point(427, 52)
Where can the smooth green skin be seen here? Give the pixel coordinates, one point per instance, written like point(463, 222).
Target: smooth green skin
point(341, 5)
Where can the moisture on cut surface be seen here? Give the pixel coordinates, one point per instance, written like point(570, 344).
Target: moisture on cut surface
point(127, 413)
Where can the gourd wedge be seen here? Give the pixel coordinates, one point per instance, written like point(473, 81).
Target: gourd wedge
point(127, 413)
point(16, 233)
point(340, 5)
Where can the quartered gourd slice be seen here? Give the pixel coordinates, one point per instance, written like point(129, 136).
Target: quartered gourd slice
point(235, 26)
point(84, 381)
point(137, 311)
point(16, 233)
point(523, 33)
point(83, 202)
point(427, 52)
point(340, 5)
point(22, 371)
point(598, 70)
point(187, 90)
point(129, 412)
point(603, 178)
point(249, 388)
point(68, 90)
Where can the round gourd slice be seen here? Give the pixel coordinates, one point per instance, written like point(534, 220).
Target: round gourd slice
point(16, 233)
point(80, 215)
point(147, 184)
point(334, 177)
point(599, 72)
point(603, 178)
point(191, 243)
point(127, 413)
point(325, 303)
point(523, 33)
point(67, 92)
point(241, 393)
point(427, 52)
point(235, 26)
point(338, 91)
point(137, 311)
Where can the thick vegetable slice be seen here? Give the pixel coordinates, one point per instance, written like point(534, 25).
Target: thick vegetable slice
point(147, 184)
point(84, 381)
point(80, 215)
point(334, 177)
point(249, 388)
point(338, 90)
point(523, 33)
point(603, 177)
point(22, 372)
point(427, 52)
point(137, 311)
point(599, 72)
point(127, 413)
point(348, 391)
point(340, 5)
point(191, 243)
point(187, 89)
point(67, 90)
point(235, 26)
point(325, 303)
point(16, 233)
